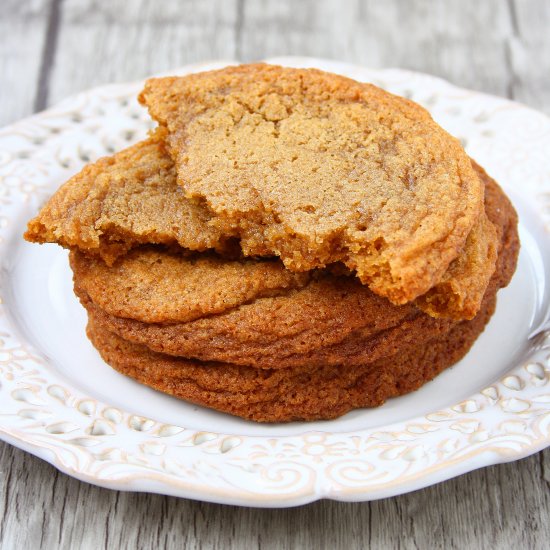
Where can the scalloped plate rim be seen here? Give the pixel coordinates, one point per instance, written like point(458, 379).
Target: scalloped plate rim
point(238, 496)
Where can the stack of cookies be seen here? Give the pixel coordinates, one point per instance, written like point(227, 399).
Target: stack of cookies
point(286, 245)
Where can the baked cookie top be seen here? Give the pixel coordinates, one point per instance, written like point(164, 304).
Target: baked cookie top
point(122, 201)
point(316, 168)
point(157, 286)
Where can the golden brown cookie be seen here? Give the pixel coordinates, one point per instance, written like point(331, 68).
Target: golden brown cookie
point(132, 198)
point(325, 322)
point(154, 285)
point(317, 168)
point(284, 395)
point(459, 293)
point(122, 201)
point(328, 320)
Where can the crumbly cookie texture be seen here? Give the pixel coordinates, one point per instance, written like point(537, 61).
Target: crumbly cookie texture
point(329, 320)
point(459, 293)
point(123, 201)
point(317, 168)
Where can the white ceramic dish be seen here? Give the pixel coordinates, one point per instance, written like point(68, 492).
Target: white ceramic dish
point(59, 401)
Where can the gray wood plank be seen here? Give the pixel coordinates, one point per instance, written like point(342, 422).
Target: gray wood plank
point(117, 41)
point(462, 41)
point(23, 31)
point(529, 53)
point(497, 507)
point(23, 27)
point(494, 46)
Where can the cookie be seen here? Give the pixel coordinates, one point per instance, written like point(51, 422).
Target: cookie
point(323, 323)
point(460, 291)
point(316, 168)
point(123, 201)
point(284, 395)
point(328, 320)
point(132, 198)
point(153, 285)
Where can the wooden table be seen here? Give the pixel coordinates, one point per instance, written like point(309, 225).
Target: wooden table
point(52, 48)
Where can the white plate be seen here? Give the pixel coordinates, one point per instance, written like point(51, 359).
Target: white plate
point(62, 403)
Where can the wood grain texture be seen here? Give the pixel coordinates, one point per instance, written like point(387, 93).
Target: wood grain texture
point(495, 46)
point(529, 53)
point(23, 27)
point(462, 41)
point(502, 506)
point(117, 41)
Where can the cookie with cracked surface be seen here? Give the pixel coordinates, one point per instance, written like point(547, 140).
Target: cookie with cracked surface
point(122, 201)
point(132, 198)
point(154, 285)
point(284, 395)
point(325, 320)
point(317, 168)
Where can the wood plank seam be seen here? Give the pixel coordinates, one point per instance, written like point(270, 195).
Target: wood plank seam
point(48, 56)
point(7, 493)
point(514, 35)
point(239, 24)
point(545, 474)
